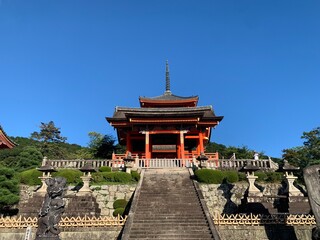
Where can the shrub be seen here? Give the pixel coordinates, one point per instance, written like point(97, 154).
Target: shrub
point(135, 176)
point(274, 177)
point(105, 169)
point(72, 175)
point(262, 176)
point(118, 211)
point(209, 176)
point(97, 177)
point(108, 176)
point(231, 176)
point(120, 203)
point(122, 177)
point(30, 177)
point(242, 176)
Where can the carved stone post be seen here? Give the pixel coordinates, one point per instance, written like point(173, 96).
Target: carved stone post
point(46, 174)
point(203, 160)
point(253, 191)
point(129, 162)
point(290, 178)
point(86, 169)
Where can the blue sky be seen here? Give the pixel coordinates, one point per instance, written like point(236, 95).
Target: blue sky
point(256, 62)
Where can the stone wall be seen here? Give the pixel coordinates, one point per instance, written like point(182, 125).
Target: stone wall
point(226, 198)
point(105, 196)
point(268, 232)
point(111, 233)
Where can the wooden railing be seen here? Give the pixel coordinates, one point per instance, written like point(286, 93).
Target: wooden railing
point(259, 219)
point(65, 222)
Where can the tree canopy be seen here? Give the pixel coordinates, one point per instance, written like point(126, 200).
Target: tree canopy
point(308, 154)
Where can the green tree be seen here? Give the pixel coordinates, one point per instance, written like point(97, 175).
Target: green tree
point(306, 155)
point(48, 133)
point(51, 139)
point(9, 189)
point(102, 146)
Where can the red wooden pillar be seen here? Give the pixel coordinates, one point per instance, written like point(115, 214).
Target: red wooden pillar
point(182, 145)
point(147, 147)
point(201, 147)
point(128, 143)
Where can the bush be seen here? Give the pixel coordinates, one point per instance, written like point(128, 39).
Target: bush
point(108, 176)
point(97, 177)
point(30, 177)
point(209, 176)
point(262, 176)
point(120, 203)
point(231, 176)
point(135, 176)
point(118, 211)
point(72, 175)
point(122, 177)
point(242, 176)
point(105, 169)
point(274, 177)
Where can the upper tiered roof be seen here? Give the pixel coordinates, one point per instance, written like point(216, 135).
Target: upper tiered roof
point(5, 141)
point(168, 99)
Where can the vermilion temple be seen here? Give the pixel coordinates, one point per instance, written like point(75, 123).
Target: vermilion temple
point(166, 126)
point(5, 141)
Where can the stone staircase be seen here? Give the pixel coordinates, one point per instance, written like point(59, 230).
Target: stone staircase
point(168, 207)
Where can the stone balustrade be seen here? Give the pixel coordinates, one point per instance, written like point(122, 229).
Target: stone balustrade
point(263, 164)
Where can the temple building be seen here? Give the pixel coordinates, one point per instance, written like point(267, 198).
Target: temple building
point(5, 141)
point(166, 126)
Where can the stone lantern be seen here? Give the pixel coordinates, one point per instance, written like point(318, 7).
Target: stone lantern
point(46, 173)
point(87, 169)
point(290, 178)
point(129, 162)
point(253, 191)
point(203, 160)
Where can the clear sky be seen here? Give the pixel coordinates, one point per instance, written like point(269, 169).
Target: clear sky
point(256, 62)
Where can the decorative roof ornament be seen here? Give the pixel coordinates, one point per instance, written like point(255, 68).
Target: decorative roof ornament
point(168, 91)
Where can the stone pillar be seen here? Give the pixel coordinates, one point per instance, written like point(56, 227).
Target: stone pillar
point(86, 182)
point(291, 189)
point(43, 188)
point(253, 191)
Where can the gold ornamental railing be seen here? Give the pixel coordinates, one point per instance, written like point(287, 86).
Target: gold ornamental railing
point(65, 222)
point(259, 219)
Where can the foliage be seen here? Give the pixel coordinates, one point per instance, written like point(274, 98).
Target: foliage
point(105, 169)
point(48, 133)
point(9, 188)
point(72, 175)
point(135, 176)
point(122, 177)
point(231, 176)
point(28, 158)
point(120, 203)
point(118, 211)
point(306, 155)
point(227, 152)
point(242, 176)
point(102, 146)
point(209, 176)
point(119, 177)
point(30, 177)
point(262, 176)
point(270, 177)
